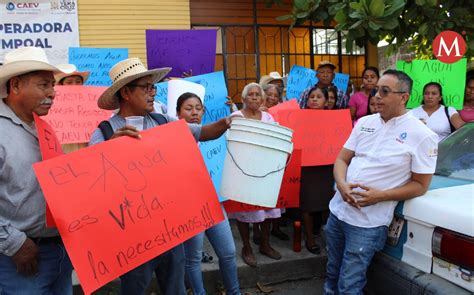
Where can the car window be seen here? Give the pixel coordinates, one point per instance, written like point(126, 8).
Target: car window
point(456, 154)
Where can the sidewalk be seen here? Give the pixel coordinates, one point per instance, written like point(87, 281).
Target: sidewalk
point(292, 266)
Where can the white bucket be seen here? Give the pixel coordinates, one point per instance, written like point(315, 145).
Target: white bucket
point(257, 154)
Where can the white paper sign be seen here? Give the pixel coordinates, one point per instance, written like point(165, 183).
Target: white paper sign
point(178, 87)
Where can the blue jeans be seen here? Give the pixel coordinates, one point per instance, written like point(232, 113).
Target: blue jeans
point(220, 236)
point(53, 277)
point(168, 268)
point(350, 250)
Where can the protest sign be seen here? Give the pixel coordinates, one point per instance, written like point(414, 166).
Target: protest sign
point(191, 51)
point(320, 134)
point(98, 61)
point(301, 78)
point(291, 104)
point(178, 87)
point(130, 201)
point(75, 114)
point(452, 78)
point(289, 196)
point(49, 148)
point(214, 100)
point(213, 152)
point(51, 25)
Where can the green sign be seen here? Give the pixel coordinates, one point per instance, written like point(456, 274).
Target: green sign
point(452, 78)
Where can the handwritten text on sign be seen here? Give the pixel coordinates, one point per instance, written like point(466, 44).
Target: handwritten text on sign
point(130, 201)
point(452, 78)
point(289, 196)
point(49, 148)
point(183, 50)
point(320, 134)
point(98, 61)
point(75, 114)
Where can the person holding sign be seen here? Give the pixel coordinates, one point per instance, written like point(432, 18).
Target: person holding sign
point(132, 92)
point(441, 119)
point(325, 74)
point(359, 100)
point(190, 108)
point(252, 97)
point(75, 78)
point(389, 157)
point(33, 259)
point(317, 182)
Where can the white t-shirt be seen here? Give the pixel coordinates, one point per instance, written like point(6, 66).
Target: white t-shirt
point(386, 154)
point(438, 121)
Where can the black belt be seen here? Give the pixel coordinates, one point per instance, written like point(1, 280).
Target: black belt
point(47, 240)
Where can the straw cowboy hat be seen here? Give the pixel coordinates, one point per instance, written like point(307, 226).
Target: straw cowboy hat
point(264, 80)
point(61, 75)
point(24, 60)
point(123, 73)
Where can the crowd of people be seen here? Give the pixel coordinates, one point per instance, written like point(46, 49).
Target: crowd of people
point(353, 200)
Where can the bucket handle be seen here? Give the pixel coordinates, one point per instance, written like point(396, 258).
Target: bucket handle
point(258, 176)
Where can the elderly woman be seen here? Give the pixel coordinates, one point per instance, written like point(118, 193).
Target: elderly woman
point(439, 118)
point(252, 97)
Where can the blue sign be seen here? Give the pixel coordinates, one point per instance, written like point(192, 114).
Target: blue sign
point(98, 61)
point(301, 78)
point(213, 152)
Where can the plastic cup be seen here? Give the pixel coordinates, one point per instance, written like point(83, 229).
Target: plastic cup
point(135, 121)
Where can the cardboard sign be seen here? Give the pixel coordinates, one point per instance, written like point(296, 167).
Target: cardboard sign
point(301, 78)
point(291, 104)
point(214, 99)
point(289, 196)
point(452, 78)
point(213, 152)
point(129, 201)
point(49, 148)
point(75, 114)
point(98, 61)
point(183, 50)
point(320, 134)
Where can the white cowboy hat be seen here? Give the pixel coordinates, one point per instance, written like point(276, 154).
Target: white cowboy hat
point(264, 80)
point(24, 60)
point(123, 73)
point(61, 75)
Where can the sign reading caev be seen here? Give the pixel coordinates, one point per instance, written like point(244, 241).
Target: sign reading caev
point(120, 203)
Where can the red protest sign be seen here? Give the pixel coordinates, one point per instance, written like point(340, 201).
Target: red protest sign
point(291, 104)
point(131, 200)
point(49, 148)
point(75, 114)
point(320, 134)
point(289, 196)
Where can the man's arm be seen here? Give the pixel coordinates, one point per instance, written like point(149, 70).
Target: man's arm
point(417, 186)
point(340, 172)
point(214, 130)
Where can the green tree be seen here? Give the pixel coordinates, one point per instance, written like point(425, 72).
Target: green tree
point(395, 21)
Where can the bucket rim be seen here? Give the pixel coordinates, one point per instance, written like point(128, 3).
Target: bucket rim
point(273, 124)
point(261, 145)
point(269, 135)
point(245, 128)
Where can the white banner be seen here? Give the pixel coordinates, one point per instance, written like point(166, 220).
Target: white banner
point(49, 24)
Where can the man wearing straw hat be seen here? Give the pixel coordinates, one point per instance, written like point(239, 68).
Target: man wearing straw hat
point(32, 257)
point(132, 92)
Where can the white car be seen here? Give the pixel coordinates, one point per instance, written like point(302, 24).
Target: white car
point(430, 247)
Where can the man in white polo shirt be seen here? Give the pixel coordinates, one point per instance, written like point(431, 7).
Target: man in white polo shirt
point(389, 157)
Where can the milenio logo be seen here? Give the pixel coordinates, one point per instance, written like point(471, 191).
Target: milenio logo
point(449, 47)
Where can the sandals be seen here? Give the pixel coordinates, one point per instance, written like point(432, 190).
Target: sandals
point(274, 254)
point(315, 249)
point(250, 260)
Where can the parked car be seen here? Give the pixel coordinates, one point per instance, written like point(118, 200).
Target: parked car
point(430, 246)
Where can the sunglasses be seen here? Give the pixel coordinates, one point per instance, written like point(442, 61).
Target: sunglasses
point(384, 91)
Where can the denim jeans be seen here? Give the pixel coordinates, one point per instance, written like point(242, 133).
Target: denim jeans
point(350, 250)
point(220, 236)
point(53, 277)
point(168, 268)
